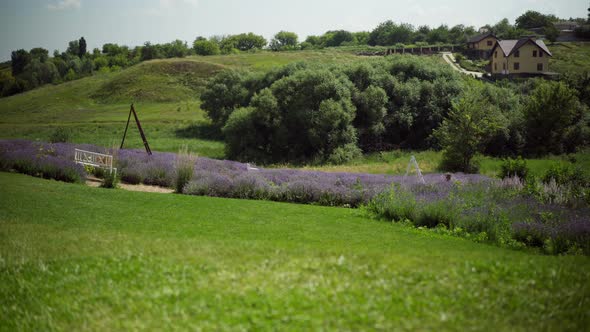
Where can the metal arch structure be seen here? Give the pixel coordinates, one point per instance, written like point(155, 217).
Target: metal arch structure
point(145, 142)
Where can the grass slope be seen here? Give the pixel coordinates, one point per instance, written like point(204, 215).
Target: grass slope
point(165, 92)
point(570, 57)
point(74, 257)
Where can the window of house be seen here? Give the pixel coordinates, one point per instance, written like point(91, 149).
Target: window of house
point(517, 54)
point(540, 54)
point(540, 67)
point(504, 66)
point(489, 43)
point(534, 53)
point(496, 54)
point(516, 65)
point(495, 66)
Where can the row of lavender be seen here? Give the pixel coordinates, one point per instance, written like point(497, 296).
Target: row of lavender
point(428, 205)
point(213, 177)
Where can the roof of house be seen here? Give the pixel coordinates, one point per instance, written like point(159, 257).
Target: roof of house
point(478, 38)
point(510, 46)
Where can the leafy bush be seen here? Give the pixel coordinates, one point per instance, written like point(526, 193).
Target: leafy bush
point(462, 134)
point(565, 174)
point(60, 135)
point(395, 204)
point(110, 179)
point(437, 213)
point(514, 168)
point(184, 168)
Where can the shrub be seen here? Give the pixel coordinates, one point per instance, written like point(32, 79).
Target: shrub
point(436, 213)
point(564, 174)
point(395, 204)
point(110, 180)
point(60, 135)
point(209, 184)
point(463, 133)
point(184, 168)
point(514, 168)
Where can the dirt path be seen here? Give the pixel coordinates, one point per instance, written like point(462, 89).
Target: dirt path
point(95, 182)
point(450, 59)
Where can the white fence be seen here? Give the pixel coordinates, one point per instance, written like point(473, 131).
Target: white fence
point(94, 159)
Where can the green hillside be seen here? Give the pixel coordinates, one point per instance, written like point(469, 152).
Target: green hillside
point(166, 94)
point(74, 257)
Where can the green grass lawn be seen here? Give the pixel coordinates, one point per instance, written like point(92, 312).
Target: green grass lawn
point(570, 57)
point(396, 162)
point(79, 258)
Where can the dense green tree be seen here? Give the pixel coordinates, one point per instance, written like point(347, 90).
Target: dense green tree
point(203, 46)
point(150, 51)
point(465, 130)
point(551, 32)
point(361, 38)
point(555, 120)
point(81, 47)
point(306, 116)
point(223, 94)
point(336, 38)
point(314, 40)
point(284, 40)
point(40, 53)
point(389, 33)
point(532, 19)
point(248, 41)
point(73, 48)
point(19, 60)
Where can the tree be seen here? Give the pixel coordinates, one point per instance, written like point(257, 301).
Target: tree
point(248, 41)
point(470, 123)
point(284, 40)
point(19, 60)
point(40, 53)
point(533, 19)
point(551, 32)
point(388, 33)
point(81, 47)
point(149, 52)
point(554, 119)
point(223, 94)
point(73, 48)
point(336, 38)
point(203, 46)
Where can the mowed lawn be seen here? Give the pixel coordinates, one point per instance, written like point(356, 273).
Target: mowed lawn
point(79, 258)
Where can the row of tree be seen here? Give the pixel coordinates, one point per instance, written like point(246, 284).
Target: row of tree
point(325, 113)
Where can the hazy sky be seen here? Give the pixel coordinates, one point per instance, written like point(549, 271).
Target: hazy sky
point(52, 23)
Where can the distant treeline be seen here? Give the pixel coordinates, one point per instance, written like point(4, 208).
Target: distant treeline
point(33, 68)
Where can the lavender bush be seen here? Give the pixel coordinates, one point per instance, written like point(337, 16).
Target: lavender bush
point(501, 211)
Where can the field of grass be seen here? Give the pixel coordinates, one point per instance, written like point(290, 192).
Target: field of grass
point(396, 162)
point(570, 57)
point(74, 257)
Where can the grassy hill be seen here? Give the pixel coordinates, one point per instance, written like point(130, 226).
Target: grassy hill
point(166, 94)
point(570, 57)
point(74, 257)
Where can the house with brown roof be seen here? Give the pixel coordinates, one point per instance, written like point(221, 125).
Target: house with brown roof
point(481, 45)
point(526, 56)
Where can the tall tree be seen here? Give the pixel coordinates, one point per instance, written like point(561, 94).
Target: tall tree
point(82, 47)
point(19, 60)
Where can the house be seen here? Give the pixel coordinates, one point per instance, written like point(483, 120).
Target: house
point(525, 56)
point(481, 45)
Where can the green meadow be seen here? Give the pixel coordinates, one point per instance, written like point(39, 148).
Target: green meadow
point(79, 258)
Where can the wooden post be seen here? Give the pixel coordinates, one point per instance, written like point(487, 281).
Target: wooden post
point(145, 142)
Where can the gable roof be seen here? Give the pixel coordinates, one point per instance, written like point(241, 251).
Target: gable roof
point(512, 45)
point(478, 38)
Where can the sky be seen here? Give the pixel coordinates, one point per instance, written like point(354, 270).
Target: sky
point(52, 23)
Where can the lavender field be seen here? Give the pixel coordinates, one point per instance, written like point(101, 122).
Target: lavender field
point(506, 212)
